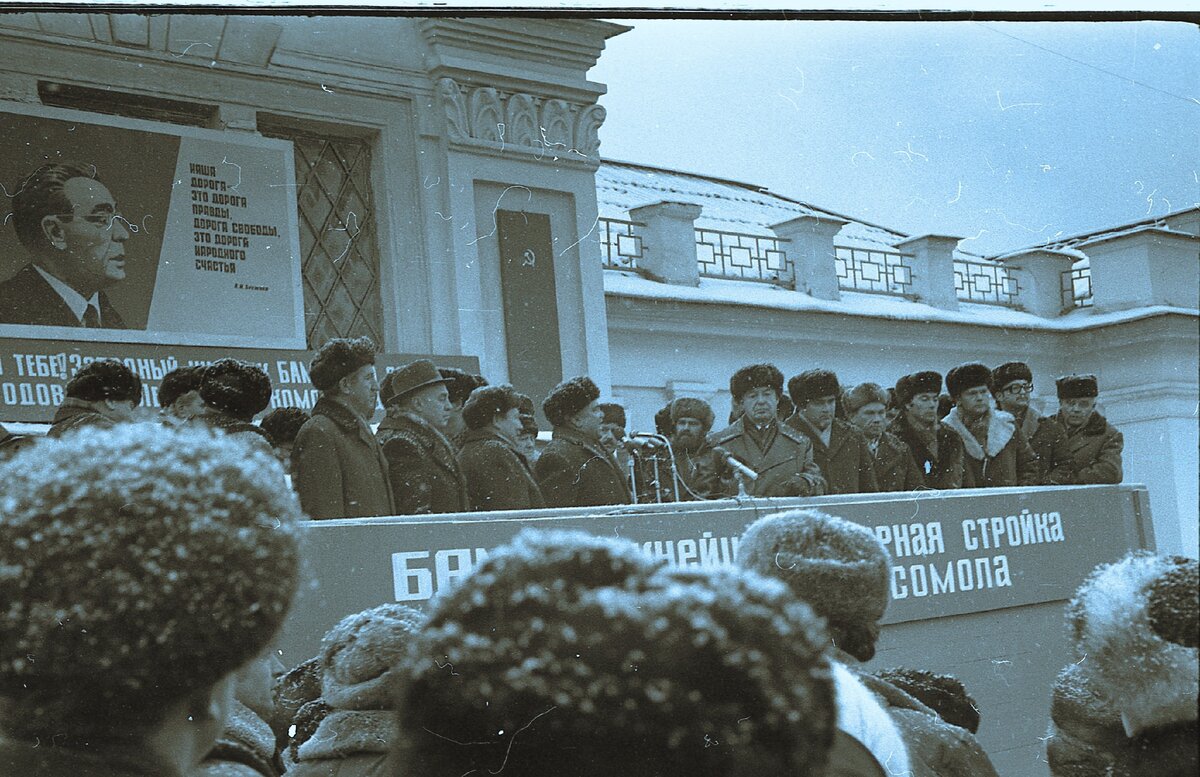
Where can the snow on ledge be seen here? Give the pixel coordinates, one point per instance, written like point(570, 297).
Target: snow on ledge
point(714, 291)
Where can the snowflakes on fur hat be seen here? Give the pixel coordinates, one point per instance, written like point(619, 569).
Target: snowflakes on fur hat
point(965, 377)
point(239, 388)
point(1011, 372)
point(568, 398)
point(105, 379)
point(565, 636)
point(137, 564)
point(942, 693)
point(862, 395)
point(338, 358)
point(837, 566)
point(178, 382)
point(283, 424)
point(487, 402)
point(812, 384)
point(1136, 621)
point(359, 654)
point(755, 376)
point(927, 382)
point(691, 407)
point(613, 413)
point(1077, 387)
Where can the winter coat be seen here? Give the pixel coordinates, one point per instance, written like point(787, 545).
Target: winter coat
point(40, 760)
point(894, 466)
point(424, 467)
point(75, 414)
point(786, 468)
point(935, 748)
point(941, 471)
point(1008, 460)
point(846, 464)
point(246, 748)
point(701, 472)
point(1094, 452)
point(575, 471)
point(338, 468)
point(251, 434)
point(348, 743)
point(498, 478)
point(861, 715)
point(1048, 439)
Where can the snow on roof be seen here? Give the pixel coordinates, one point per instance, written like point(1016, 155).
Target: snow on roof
point(714, 291)
point(1168, 223)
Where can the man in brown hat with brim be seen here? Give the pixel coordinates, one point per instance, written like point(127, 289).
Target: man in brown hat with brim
point(338, 468)
point(423, 462)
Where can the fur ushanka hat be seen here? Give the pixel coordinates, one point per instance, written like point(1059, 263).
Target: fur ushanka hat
point(812, 384)
point(568, 398)
point(966, 377)
point(613, 413)
point(1077, 387)
point(862, 395)
point(239, 388)
point(489, 401)
point(178, 382)
point(837, 566)
point(460, 384)
point(927, 382)
point(283, 424)
point(338, 358)
point(755, 376)
point(106, 379)
point(691, 407)
point(1011, 372)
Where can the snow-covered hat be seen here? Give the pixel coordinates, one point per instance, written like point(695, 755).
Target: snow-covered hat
point(755, 376)
point(568, 398)
point(927, 382)
point(613, 413)
point(489, 401)
point(138, 564)
point(862, 395)
point(338, 358)
point(690, 407)
point(811, 385)
point(561, 637)
point(1077, 387)
point(942, 693)
point(105, 379)
point(359, 654)
point(460, 384)
point(239, 388)
point(1011, 372)
point(965, 377)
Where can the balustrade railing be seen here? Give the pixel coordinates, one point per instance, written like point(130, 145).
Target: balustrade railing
point(988, 284)
point(622, 243)
point(743, 257)
point(874, 272)
point(1077, 287)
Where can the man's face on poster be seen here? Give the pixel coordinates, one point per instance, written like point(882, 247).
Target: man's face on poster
point(91, 236)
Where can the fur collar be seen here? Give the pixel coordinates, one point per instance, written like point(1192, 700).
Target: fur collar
point(345, 733)
point(1001, 428)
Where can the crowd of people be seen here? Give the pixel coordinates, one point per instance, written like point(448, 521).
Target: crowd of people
point(146, 570)
point(449, 442)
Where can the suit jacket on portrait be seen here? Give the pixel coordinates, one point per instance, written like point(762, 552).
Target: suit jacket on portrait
point(26, 298)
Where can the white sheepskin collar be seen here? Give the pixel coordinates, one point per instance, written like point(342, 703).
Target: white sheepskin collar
point(1001, 427)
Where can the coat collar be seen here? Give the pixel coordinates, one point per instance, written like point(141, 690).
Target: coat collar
point(1001, 428)
point(343, 417)
point(487, 434)
point(1096, 424)
point(567, 434)
point(838, 433)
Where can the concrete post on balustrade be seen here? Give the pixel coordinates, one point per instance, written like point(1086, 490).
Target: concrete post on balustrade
point(932, 269)
point(1150, 266)
point(1039, 276)
point(811, 250)
point(669, 241)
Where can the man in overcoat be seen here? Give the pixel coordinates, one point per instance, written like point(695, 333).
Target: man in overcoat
point(1093, 444)
point(575, 470)
point(781, 456)
point(424, 467)
point(1013, 382)
point(498, 476)
point(936, 448)
point(892, 461)
point(103, 393)
point(839, 449)
point(338, 468)
point(996, 451)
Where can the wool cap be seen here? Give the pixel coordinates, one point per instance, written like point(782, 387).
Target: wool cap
point(862, 395)
point(359, 654)
point(488, 402)
point(283, 424)
point(167, 562)
point(811, 385)
point(460, 384)
point(568, 398)
point(338, 358)
point(239, 388)
point(411, 377)
point(909, 386)
point(944, 694)
point(1010, 372)
point(965, 377)
point(106, 379)
point(837, 566)
point(1077, 387)
point(178, 382)
point(691, 407)
point(613, 413)
point(568, 637)
point(755, 376)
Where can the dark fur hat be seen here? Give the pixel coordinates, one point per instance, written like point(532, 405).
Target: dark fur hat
point(239, 388)
point(663, 423)
point(862, 395)
point(338, 358)
point(1009, 372)
point(945, 405)
point(283, 424)
point(106, 379)
point(460, 384)
point(965, 377)
point(178, 382)
point(1077, 387)
point(813, 384)
point(909, 386)
point(488, 401)
point(613, 413)
point(568, 398)
point(943, 693)
point(691, 407)
point(755, 376)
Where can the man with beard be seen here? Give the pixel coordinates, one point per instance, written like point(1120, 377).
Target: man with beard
point(839, 450)
point(936, 448)
point(1013, 382)
point(997, 454)
point(1093, 445)
point(892, 461)
point(700, 467)
point(781, 456)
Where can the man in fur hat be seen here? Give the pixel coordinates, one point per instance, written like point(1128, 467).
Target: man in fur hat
point(700, 468)
point(936, 448)
point(425, 474)
point(338, 467)
point(839, 450)
point(498, 476)
point(575, 470)
point(103, 393)
point(1013, 383)
point(233, 392)
point(997, 453)
point(179, 394)
point(782, 457)
point(1093, 445)
point(892, 461)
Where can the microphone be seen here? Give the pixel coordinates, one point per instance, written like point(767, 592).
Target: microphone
point(738, 466)
point(639, 440)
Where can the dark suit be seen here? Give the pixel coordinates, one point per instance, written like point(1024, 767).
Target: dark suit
point(26, 298)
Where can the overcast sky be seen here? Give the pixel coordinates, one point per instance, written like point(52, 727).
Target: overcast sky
point(1005, 133)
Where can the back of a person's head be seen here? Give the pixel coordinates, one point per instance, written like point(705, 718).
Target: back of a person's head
point(567, 654)
point(105, 379)
point(138, 565)
point(239, 388)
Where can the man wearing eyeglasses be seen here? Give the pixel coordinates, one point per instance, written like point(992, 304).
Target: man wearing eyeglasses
point(1013, 382)
point(996, 452)
point(68, 222)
